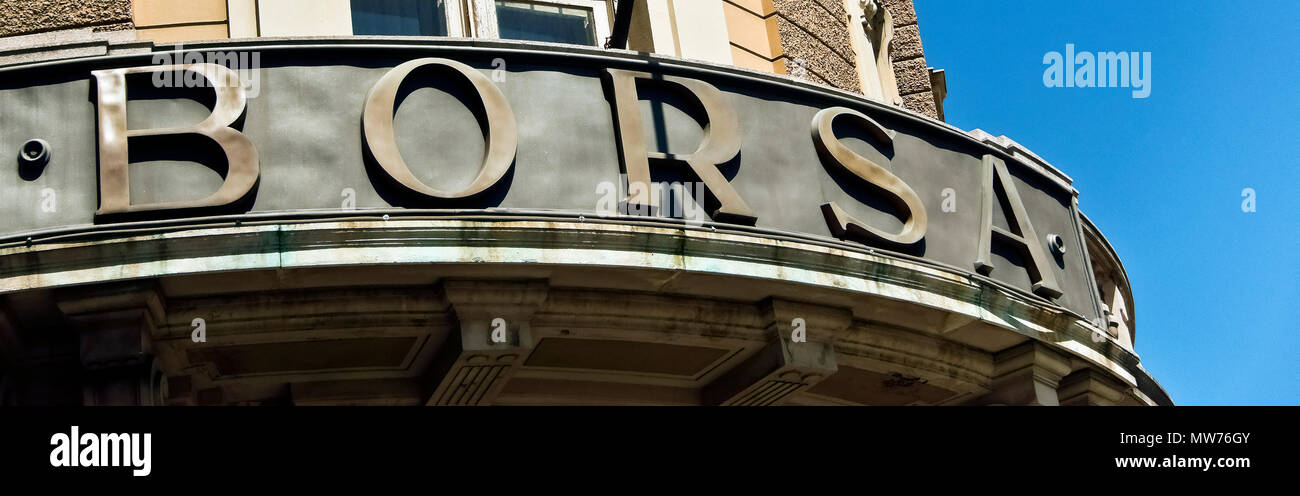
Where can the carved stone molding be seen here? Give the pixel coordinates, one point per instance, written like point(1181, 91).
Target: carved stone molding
point(786, 365)
point(116, 325)
point(873, 17)
point(1028, 374)
point(493, 339)
point(1089, 387)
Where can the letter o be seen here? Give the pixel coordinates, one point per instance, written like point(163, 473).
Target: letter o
point(501, 137)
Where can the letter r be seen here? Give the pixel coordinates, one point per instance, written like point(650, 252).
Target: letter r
point(721, 142)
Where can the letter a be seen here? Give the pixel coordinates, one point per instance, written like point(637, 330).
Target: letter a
point(1021, 235)
point(59, 455)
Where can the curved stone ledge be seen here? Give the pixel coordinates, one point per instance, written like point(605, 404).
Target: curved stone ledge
point(943, 303)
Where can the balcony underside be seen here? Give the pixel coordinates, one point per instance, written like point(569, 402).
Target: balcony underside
point(404, 311)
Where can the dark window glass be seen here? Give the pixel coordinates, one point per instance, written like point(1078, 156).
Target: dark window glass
point(399, 17)
point(539, 21)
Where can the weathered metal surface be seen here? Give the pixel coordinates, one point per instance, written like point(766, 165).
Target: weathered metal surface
point(305, 125)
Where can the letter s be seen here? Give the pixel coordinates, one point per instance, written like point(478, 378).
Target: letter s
point(833, 151)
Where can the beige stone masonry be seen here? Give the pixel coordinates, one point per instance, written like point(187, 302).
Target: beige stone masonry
point(38, 16)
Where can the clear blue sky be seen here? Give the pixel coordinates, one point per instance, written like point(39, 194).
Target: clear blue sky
point(1216, 289)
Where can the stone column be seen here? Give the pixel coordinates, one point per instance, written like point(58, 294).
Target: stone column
point(115, 326)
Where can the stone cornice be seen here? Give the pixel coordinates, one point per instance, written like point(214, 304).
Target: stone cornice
point(99, 257)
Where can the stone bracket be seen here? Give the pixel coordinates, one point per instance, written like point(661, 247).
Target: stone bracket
point(471, 367)
point(1091, 387)
point(822, 323)
point(776, 372)
point(1027, 374)
point(115, 324)
point(783, 367)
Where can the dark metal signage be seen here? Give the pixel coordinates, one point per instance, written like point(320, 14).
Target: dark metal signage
point(548, 132)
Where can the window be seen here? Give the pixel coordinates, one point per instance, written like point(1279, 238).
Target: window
point(399, 17)
point(579, 22)
point(538, 21)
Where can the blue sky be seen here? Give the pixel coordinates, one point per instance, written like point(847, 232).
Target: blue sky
point(1216, 289)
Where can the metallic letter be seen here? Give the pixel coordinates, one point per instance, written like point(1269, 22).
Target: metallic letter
point(114, 181)
point(1021, 234)
point(501, 138)
point(721, 143)
point(833, 150)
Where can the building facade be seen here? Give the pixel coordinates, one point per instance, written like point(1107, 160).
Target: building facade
point(517, 202)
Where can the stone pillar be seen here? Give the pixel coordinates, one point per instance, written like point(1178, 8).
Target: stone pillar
point(115, 326)
point(492, 339)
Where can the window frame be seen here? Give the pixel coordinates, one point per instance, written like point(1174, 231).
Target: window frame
point(485, 12)
point(452, 11)
point(478, 18)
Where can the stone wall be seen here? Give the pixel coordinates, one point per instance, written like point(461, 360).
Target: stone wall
point(817, 46)
point(908, 58)
point(38, 16)
point(815, 38)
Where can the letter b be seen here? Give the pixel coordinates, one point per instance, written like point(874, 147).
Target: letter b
point(114, 179)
